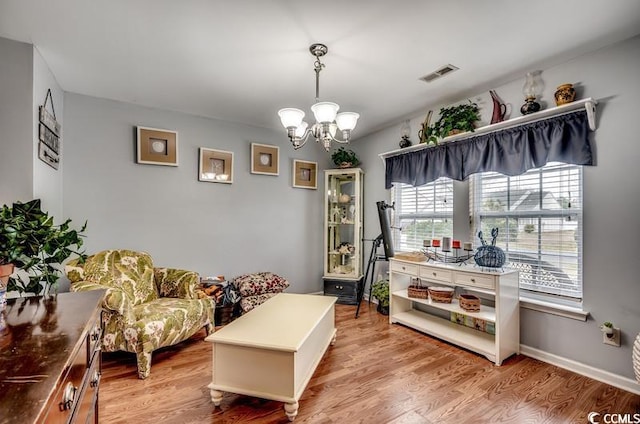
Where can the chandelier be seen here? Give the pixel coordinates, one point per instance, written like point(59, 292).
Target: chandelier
point(328, 120)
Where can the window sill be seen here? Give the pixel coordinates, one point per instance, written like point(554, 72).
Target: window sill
point(566, 311)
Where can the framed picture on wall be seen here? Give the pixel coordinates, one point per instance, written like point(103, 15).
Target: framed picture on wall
point(216, 166)
point(305, 174)
point(157, 147)
point(265, 159)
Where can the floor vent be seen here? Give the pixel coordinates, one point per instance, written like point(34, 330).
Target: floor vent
point(446, 69)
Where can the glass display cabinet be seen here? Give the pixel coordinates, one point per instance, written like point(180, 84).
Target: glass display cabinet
point(343, 232)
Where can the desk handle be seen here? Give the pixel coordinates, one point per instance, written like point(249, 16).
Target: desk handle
point(473, 280)
point(68, 397)
point(95, 379)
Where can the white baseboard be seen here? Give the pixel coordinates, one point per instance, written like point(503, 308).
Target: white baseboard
point(607, 377)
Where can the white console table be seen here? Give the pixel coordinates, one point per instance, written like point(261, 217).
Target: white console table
point(499, 285)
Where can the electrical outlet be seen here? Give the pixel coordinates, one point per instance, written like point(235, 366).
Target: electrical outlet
point(614, 340)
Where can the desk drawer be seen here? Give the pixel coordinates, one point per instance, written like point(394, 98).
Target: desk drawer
point(475, 280)
point(436, 274)
point(404, 268)
point(87, 410)
point(67, 395)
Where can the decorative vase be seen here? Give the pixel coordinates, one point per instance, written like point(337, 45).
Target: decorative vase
point(5, 272)
point(564, 94)
point(499, 108)
point(490, 256)
point(344, 198)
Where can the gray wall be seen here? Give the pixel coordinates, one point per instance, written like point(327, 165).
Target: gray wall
point(258, 223)
point(611, 204)
point(16, 165)
point(24, 80)
point(47, 182)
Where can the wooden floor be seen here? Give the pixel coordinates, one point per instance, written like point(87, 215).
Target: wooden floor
point(375, 373)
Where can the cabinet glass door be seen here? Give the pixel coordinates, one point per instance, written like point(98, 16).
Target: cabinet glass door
point(343, 223)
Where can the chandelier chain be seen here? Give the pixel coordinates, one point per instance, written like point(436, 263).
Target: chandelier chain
point(317, 67)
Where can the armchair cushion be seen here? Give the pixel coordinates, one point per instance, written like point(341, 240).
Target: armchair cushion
point(176, 283)
point(145, 307)
point(260, 283)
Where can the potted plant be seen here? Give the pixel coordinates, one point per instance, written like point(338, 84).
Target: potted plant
point(344, 158)
point(10, 248)
point(454, 120)
point(380, 290)
point(607, 328)
point(36, 246)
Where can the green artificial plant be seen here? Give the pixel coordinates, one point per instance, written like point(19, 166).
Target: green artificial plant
point(453, 120)
point(344, 158)
point(36, 246)
point(10, 245)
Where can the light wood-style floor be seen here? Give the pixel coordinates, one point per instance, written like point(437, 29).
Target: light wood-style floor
point(375, 373)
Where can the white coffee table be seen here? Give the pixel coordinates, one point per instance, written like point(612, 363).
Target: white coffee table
point(272, 351)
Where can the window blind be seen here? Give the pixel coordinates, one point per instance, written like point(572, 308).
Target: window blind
point(424, 212)
point(539, 216)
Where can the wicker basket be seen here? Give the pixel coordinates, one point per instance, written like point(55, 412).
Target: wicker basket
point(411, 256)
point(441, 294)
point(419, 292)
point(469, 302)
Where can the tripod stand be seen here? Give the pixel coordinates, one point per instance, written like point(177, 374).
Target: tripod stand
point(371, 265)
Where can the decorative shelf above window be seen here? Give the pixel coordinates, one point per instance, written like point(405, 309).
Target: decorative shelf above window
point(510, 147)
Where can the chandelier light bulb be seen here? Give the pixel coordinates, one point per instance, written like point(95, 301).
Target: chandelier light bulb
point(301, 129)
point(347, 120)
point(291, 117)
point(325, 112)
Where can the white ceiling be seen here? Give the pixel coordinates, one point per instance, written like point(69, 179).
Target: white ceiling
point(243, 60)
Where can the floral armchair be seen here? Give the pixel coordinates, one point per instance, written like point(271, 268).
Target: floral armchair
point(145, 308)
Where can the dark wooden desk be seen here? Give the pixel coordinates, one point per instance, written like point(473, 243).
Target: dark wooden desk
point(49, 346)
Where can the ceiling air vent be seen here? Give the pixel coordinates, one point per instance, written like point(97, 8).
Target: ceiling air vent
point(439, 73)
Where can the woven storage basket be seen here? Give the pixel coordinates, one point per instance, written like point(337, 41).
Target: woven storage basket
point(469, 302)
point(441, 294)
point(419, 292)
point(411, 256)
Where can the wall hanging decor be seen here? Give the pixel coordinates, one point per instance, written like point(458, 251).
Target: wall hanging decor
point(216, 166)
point(265, 159)
point(49, 134)
point(157, 146)
point(305, 174)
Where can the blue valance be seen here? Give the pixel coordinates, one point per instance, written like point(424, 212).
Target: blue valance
point(510, 151)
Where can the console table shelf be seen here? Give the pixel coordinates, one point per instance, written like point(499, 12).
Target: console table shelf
point(499, 287)
point(487, 313)
point(477, 341)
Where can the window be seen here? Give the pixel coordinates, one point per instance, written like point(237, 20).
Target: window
point(539, 216)
point(424, 212)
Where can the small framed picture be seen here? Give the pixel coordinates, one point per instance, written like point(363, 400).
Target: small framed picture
point(216, 166)
point(157, 147)
point(265, 159)
point(305, 174)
